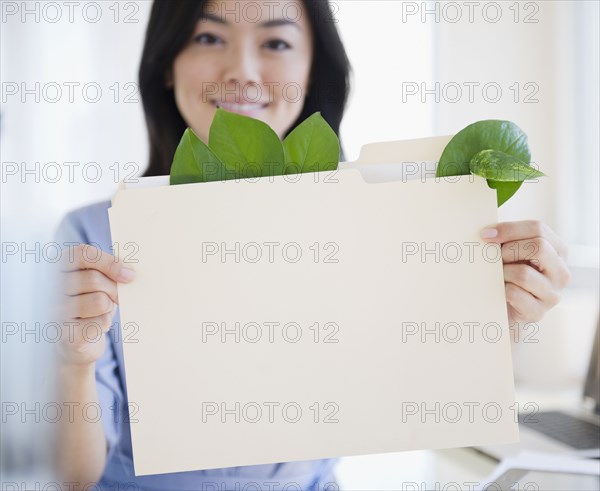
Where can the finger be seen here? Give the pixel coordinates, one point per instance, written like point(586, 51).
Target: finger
point(88, 305)
point(539, 253)
point(85, 256)
point(532, 281)
point(86, 331)
point(525, 306)
point(526, 229)
point(89, 281)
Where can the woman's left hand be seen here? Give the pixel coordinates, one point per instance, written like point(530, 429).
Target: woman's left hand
point(535, 269)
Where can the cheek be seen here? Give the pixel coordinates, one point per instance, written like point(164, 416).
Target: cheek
point(192, 78)
point(291, 82)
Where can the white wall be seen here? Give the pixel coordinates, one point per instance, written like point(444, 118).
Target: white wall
point(384, 53)
point(550, 53)
point(88, 128)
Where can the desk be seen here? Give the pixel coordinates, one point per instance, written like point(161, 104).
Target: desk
point(449, 469)
point(444, 470)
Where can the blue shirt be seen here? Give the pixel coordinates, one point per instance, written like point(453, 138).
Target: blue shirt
point(89, 225)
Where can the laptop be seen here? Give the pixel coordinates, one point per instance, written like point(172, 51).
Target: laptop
point(516, 479)
point(559, 432)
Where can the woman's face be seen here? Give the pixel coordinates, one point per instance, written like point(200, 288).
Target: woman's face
point(251, 58)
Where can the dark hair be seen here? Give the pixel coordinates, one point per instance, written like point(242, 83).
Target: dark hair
point(171, 25)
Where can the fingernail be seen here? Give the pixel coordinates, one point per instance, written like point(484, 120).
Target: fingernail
point(126, 275)
point(489, 233)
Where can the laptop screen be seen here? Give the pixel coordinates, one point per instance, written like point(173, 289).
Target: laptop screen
point(592, 381)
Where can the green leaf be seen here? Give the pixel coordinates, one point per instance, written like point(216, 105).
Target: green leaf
point(500, 166)
point(243, 147)
point(247, 147)
point(504, 190)
point(503, 136)
point(312, 146)
point(194, 161)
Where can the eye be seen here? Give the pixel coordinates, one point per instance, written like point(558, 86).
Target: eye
point(207, 39)
point(276, 45)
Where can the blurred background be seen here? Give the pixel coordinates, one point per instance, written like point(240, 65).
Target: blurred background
point(72, 127)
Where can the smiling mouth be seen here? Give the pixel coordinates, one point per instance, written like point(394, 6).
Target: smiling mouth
point(245, 109)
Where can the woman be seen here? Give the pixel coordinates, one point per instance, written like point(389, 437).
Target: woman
point(199, 55)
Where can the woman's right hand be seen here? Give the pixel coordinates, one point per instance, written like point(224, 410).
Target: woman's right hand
point(89, 302)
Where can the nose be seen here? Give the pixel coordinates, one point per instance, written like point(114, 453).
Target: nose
point(242, 67)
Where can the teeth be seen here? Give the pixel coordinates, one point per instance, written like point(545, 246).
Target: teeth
point(238, 107)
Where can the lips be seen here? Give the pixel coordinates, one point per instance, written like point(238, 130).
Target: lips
point(246, 108)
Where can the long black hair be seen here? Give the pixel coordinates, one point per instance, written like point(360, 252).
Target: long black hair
point(171, 25)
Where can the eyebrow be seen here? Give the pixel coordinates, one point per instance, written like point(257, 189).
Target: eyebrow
point(267, 24)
